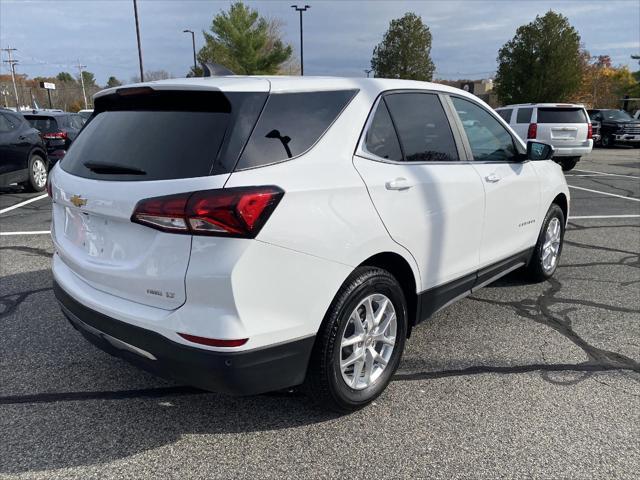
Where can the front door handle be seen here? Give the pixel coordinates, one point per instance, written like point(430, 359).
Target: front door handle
point(399, 183)
point(492, 178)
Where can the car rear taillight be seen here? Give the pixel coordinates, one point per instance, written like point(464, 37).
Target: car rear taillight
point(234, 212)
point(590, 132)
point(532, 132)
point(52, 135)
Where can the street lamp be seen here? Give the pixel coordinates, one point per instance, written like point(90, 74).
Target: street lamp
point(193, 41)
point(301, 9)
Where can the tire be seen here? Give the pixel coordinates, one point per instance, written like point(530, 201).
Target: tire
point(38, 174)
point(326, 382)
point(568, 163)
point(607, 141)
point(539, 270)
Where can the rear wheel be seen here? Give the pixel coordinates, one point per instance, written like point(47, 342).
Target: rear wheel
point(568, 163)
point(544, 261)
point(38, 174)
point(360, 343)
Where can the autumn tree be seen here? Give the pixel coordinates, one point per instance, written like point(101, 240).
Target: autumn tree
point(405, 50)
point(542, 63)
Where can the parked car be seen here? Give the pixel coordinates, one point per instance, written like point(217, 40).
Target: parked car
point(595, 128)
point(616, 127)
point(23, 155)
point(291, 230)
point(86, 113)
point(59, 130)
point(565, 126)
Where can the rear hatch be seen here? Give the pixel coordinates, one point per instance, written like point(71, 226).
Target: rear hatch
point(562, 126)
point(143, 143)
point(49, 129)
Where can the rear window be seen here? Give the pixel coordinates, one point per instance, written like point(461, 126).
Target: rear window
point(561, 115)
point(163, 135)
point(290, 124)
point(42, 123)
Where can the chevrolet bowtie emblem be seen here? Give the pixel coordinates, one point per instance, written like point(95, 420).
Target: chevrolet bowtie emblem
point(78, 201)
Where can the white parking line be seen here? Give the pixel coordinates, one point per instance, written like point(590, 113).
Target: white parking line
point(603, 173)
point(585, 217)
point(605, 193)
point(22, 204)
point(34, 232)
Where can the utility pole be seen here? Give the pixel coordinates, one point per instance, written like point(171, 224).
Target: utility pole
point(368, 71)
point(12, 66)
point(301, 9)
point(193, 41)
point(84, 93)
point(135, 13)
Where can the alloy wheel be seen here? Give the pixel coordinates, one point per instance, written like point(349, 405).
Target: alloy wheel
point(551, 246)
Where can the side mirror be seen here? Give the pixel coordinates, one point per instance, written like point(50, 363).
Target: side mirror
point(539, 151)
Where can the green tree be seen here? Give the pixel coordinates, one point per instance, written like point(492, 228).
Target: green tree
point(65, 77)
point(405, 50)
point(244, 42)
point(113, 82)
point(542, 63)
point(89, 78)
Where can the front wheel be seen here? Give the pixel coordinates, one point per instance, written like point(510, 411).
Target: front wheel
point(544, 261)
point(38, 174)
point(568, 163)
point(607, 141)
point(360, 342)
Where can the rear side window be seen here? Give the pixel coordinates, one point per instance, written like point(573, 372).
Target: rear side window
point(505, 113)
point(381, 138)
point(423, 128)
point(290, 124)
point(561, 115)
point(5, 124)
point(44, 124)
point(524, 115)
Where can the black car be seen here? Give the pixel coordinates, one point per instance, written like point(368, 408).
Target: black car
point(23, 154)
point(59, 130)
point(616, 126)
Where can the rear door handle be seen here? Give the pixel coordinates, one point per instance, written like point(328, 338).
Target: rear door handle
point(399, 183)
point(492, 178)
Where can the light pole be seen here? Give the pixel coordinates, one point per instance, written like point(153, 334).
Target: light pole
point(135, 13)
point(301, 9)
point(193, 41)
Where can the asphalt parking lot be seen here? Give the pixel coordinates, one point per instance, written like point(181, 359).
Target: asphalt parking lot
point(516, 381)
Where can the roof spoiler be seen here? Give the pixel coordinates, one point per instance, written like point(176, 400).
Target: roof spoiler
point(215, 70)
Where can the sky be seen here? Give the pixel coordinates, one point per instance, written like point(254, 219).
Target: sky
point(52, 36)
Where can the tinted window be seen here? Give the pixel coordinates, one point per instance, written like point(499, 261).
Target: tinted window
point(381, 138)
point(44, 124)
point(561, 115)
point(505, 113)
point(76, 121)
point(524, 115)
point(5, 125)
point(290, 124)
point(488, 139)
point(423, 127)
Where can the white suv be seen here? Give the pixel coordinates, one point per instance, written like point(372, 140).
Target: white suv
point(565, 126)
point(248, 234)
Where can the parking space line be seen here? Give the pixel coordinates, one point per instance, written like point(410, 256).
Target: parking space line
point(607, 174)
point(585, 217)
point(22, 204)
point(35, 232)
point(605, 193)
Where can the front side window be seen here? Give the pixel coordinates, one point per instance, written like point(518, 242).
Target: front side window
point(505, 113)
point(381, 139)
point(290, 124)
point(524, 115)
point(423, 127)
point(488, 139)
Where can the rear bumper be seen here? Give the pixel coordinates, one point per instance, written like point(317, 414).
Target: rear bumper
point(239, 373)
point(573, 151)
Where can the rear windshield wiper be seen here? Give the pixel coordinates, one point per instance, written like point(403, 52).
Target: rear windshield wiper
point(113, 169)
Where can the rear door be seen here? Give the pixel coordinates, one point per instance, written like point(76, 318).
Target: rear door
point(12, 156)
point(134, 148)
point(562, 126)
point(430, 202)
point(511, 185)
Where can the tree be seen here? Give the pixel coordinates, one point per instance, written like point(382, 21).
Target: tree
point(244, 42)
point(65, 77)
point(405, 50)
point(604, 85)
point(113, 82)
point(89, 78)
point(542, 63)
